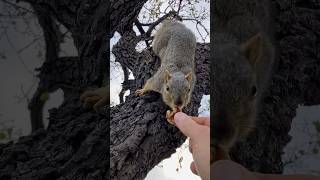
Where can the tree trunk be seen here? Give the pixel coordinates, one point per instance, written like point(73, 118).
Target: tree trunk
point(76, 143)
point(295, 81)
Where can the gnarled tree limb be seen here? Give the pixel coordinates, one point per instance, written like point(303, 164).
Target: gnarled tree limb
point(140, 134)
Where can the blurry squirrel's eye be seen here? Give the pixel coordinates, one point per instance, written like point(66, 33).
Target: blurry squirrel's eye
point(253, 91)
point(189, 90)
point(167, 88)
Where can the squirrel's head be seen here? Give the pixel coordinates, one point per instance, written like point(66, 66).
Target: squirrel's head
point(235, 87)
point(177, 89)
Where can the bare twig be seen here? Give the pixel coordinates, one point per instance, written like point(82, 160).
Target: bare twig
point(26, 94)
point(179, 7)
point(169, 5)
point(203, 39)
point(125, 80)
point(154, 24)
point(145, 24)
point(18, 55)
point(141, 30)
point(199, 23)
point(31, 43)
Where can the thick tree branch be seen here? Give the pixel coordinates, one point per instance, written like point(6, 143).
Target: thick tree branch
point(76, 143)
point(125, 80)
point(52, 36)
point(140, 134)
point(123, 14)
point(125, 52)
point(141, 30)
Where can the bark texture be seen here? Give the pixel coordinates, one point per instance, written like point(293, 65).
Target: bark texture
point(76, 139)
point(140, 135)
point(295, 81)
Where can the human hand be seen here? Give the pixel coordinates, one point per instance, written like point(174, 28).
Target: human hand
point(229, 170)
point(198, 130)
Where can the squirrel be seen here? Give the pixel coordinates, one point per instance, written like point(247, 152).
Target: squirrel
point(96, 98)
point(175, 44)
point(241, 63)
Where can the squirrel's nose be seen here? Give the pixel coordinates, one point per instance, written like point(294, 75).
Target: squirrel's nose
point(178, 102)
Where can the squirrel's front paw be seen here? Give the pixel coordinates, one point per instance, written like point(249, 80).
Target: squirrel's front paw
point(140, 92)
point(170, 116)
point(95, 98)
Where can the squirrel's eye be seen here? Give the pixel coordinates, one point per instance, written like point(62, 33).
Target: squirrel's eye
point(167, 88)
point(189, 90)
point(253, 91)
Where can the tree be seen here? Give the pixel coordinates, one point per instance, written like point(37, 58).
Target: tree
point(151, 138)
point(76, 143)
point(68, 141)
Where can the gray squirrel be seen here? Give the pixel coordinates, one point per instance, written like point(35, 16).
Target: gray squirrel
point(175, 44)
point(242, 61)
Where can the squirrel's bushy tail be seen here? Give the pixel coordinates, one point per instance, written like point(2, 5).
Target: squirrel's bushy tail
point(161, 38)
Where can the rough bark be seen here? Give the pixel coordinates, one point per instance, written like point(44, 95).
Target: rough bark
point(140, 135)
point(53, 37)
point(123, 14)
point(76, 143)
point(295, 81)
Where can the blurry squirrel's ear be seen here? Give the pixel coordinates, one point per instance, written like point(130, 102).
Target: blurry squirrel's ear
point(167, 76)
point(252, 49)
point(189, 76)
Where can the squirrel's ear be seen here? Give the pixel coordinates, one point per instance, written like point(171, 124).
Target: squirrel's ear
point(252, 49)
point(167, 76)
point(189, 76)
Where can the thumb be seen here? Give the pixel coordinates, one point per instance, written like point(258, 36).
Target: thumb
point(186, 125)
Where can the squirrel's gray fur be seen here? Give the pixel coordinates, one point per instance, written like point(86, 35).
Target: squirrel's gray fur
point(175, 79)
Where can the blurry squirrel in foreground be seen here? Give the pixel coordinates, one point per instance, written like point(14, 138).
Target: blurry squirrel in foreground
point(243, 56)
point(96, 98)
point(175, 79)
